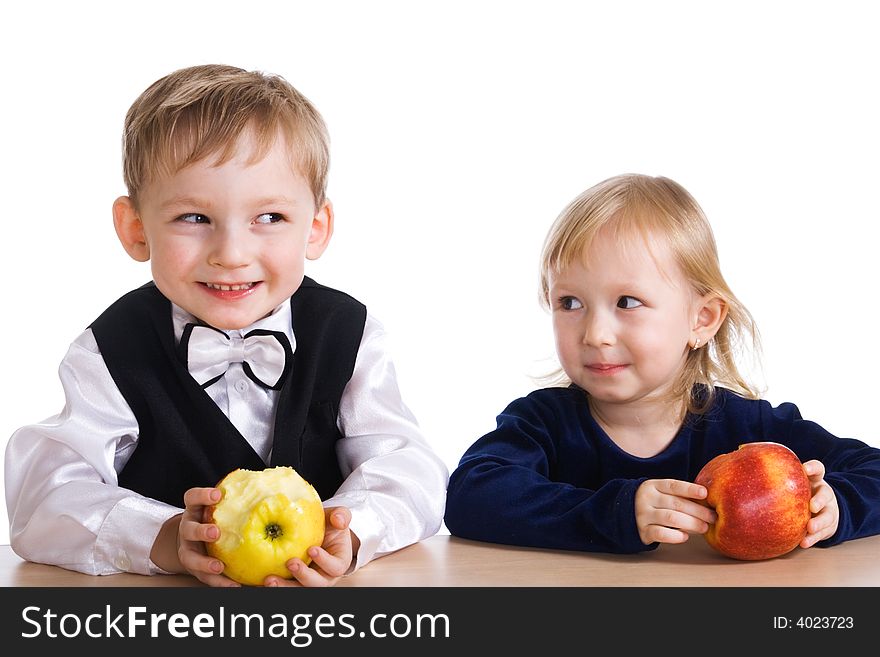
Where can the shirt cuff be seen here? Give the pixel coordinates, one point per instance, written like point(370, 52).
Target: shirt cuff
point(126, 537)
point(365, 524)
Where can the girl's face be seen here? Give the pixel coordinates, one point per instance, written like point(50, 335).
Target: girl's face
point(623, 320)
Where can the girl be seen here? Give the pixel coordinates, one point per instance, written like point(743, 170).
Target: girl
point(647, 332)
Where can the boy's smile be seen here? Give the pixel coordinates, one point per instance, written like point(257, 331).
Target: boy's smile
point(231, 290)
point(227, 242)
point(234, 287)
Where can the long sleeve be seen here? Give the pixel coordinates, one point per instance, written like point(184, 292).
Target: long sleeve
point(536, 480)
point(852, 468)
point(395, 484)
point(549, 476)
point(65, 507)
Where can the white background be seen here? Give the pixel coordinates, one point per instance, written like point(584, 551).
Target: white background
point(459, 130)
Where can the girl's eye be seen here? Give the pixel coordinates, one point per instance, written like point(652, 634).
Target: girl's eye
point(269, 218)
point(193, 218)
point(570, 303)
point(628, 302)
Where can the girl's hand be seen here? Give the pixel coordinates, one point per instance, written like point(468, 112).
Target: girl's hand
point(331, 560)
point(666, 512)
point(823, 506)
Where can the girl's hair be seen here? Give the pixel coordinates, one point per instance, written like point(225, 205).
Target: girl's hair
point(638, 206)
point(200, 111)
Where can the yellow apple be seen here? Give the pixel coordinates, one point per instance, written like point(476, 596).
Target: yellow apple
point(265, 517)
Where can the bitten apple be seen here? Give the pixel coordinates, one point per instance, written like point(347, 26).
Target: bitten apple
point(265, 518)
point(761, 495)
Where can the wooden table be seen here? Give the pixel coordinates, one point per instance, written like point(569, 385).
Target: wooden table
point(453, 562)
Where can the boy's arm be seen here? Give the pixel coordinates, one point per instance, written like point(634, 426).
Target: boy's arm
point(395, 483)
point(65, 507)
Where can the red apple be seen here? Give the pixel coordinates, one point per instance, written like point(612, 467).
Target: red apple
point(762, 497)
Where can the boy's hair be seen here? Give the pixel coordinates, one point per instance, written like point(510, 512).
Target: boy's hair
point(201, 111)
point(644, 207)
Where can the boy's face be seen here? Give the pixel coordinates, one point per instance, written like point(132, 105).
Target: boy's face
point(227, 243)
point(623, 321)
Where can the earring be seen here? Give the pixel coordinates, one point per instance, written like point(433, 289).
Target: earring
point(696, 344)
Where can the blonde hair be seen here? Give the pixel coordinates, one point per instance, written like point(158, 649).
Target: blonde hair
point(200, 111)
point(634, 205)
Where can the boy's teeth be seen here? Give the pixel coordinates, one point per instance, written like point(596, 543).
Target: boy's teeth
point(227, 288)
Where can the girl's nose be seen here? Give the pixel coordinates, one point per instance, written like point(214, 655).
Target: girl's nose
point(599, 330)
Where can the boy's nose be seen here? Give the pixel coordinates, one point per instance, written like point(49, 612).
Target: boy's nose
point(230, 248)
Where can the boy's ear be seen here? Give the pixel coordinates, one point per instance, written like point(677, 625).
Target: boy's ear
point(711, 313)
point(130, 229)
point(320, 232)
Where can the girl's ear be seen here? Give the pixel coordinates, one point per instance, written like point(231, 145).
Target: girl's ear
point(711, 311)
point(320, 232)
point(130, 229)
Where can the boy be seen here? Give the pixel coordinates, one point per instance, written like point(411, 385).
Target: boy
point(230, 357)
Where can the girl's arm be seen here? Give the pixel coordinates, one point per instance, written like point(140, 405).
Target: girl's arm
point(852, 469)
point(506, 489)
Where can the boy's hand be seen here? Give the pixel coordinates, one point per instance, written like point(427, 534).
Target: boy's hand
point(331, 560)
point(823, 506)
point(192, 535)
point(665, 512)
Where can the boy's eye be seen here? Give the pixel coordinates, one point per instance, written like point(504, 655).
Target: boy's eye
point(269, 218)
point(193, 218)
point(627, 303)
point(570, 303)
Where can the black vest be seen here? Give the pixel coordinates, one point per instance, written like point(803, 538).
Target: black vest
point(184, 439)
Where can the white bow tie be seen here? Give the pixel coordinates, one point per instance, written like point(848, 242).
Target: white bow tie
point(208, 352)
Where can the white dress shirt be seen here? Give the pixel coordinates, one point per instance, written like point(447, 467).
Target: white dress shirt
point(66, 507)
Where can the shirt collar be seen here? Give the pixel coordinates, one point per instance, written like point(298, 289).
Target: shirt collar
point(277, 320)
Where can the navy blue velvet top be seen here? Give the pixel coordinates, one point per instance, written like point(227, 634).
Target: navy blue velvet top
point(549, 476)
